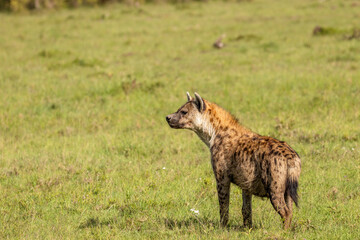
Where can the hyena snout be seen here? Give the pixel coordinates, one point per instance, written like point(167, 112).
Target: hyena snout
point(168, 118)
point(171, 120)
point(174, 121)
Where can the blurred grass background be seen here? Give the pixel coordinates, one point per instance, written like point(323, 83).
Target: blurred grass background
point(85, 151)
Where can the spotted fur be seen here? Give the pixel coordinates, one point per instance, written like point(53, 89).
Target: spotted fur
point(259, 165)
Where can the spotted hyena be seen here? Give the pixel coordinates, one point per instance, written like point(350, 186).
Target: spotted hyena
point(259, 165)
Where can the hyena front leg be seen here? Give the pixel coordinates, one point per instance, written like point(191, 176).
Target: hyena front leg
point(246, 209)
point(223, 189)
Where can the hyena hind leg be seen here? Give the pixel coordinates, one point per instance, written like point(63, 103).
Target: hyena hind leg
point(280, 206)
point(289, 204)
point(246, 209)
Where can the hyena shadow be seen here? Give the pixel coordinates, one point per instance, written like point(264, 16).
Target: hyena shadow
point(200, 223)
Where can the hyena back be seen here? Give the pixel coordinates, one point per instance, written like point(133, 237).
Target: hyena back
point(259, 165)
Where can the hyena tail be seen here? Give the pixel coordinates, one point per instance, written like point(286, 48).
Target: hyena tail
point(292, 181)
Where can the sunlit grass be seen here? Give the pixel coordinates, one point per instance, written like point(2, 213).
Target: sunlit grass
point(85, 151)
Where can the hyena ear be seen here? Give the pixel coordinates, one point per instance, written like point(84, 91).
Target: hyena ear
point(199, 102)
point(188, 96)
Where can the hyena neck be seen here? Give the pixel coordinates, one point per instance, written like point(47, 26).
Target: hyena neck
point(205, 130)
point(216, 121)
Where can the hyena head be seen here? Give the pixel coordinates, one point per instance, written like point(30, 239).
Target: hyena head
point(189, 115)
point(193, 115)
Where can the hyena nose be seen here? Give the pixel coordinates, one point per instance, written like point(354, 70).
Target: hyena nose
point(168, 118)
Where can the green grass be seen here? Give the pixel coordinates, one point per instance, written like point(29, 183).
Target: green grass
point(85, 151)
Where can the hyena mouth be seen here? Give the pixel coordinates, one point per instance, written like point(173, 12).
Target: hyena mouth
point(175, 126)
point(172, 123)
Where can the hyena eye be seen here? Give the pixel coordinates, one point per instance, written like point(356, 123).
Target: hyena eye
point(183, 112)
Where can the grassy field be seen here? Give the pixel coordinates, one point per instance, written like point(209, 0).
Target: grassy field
point(85, 152)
